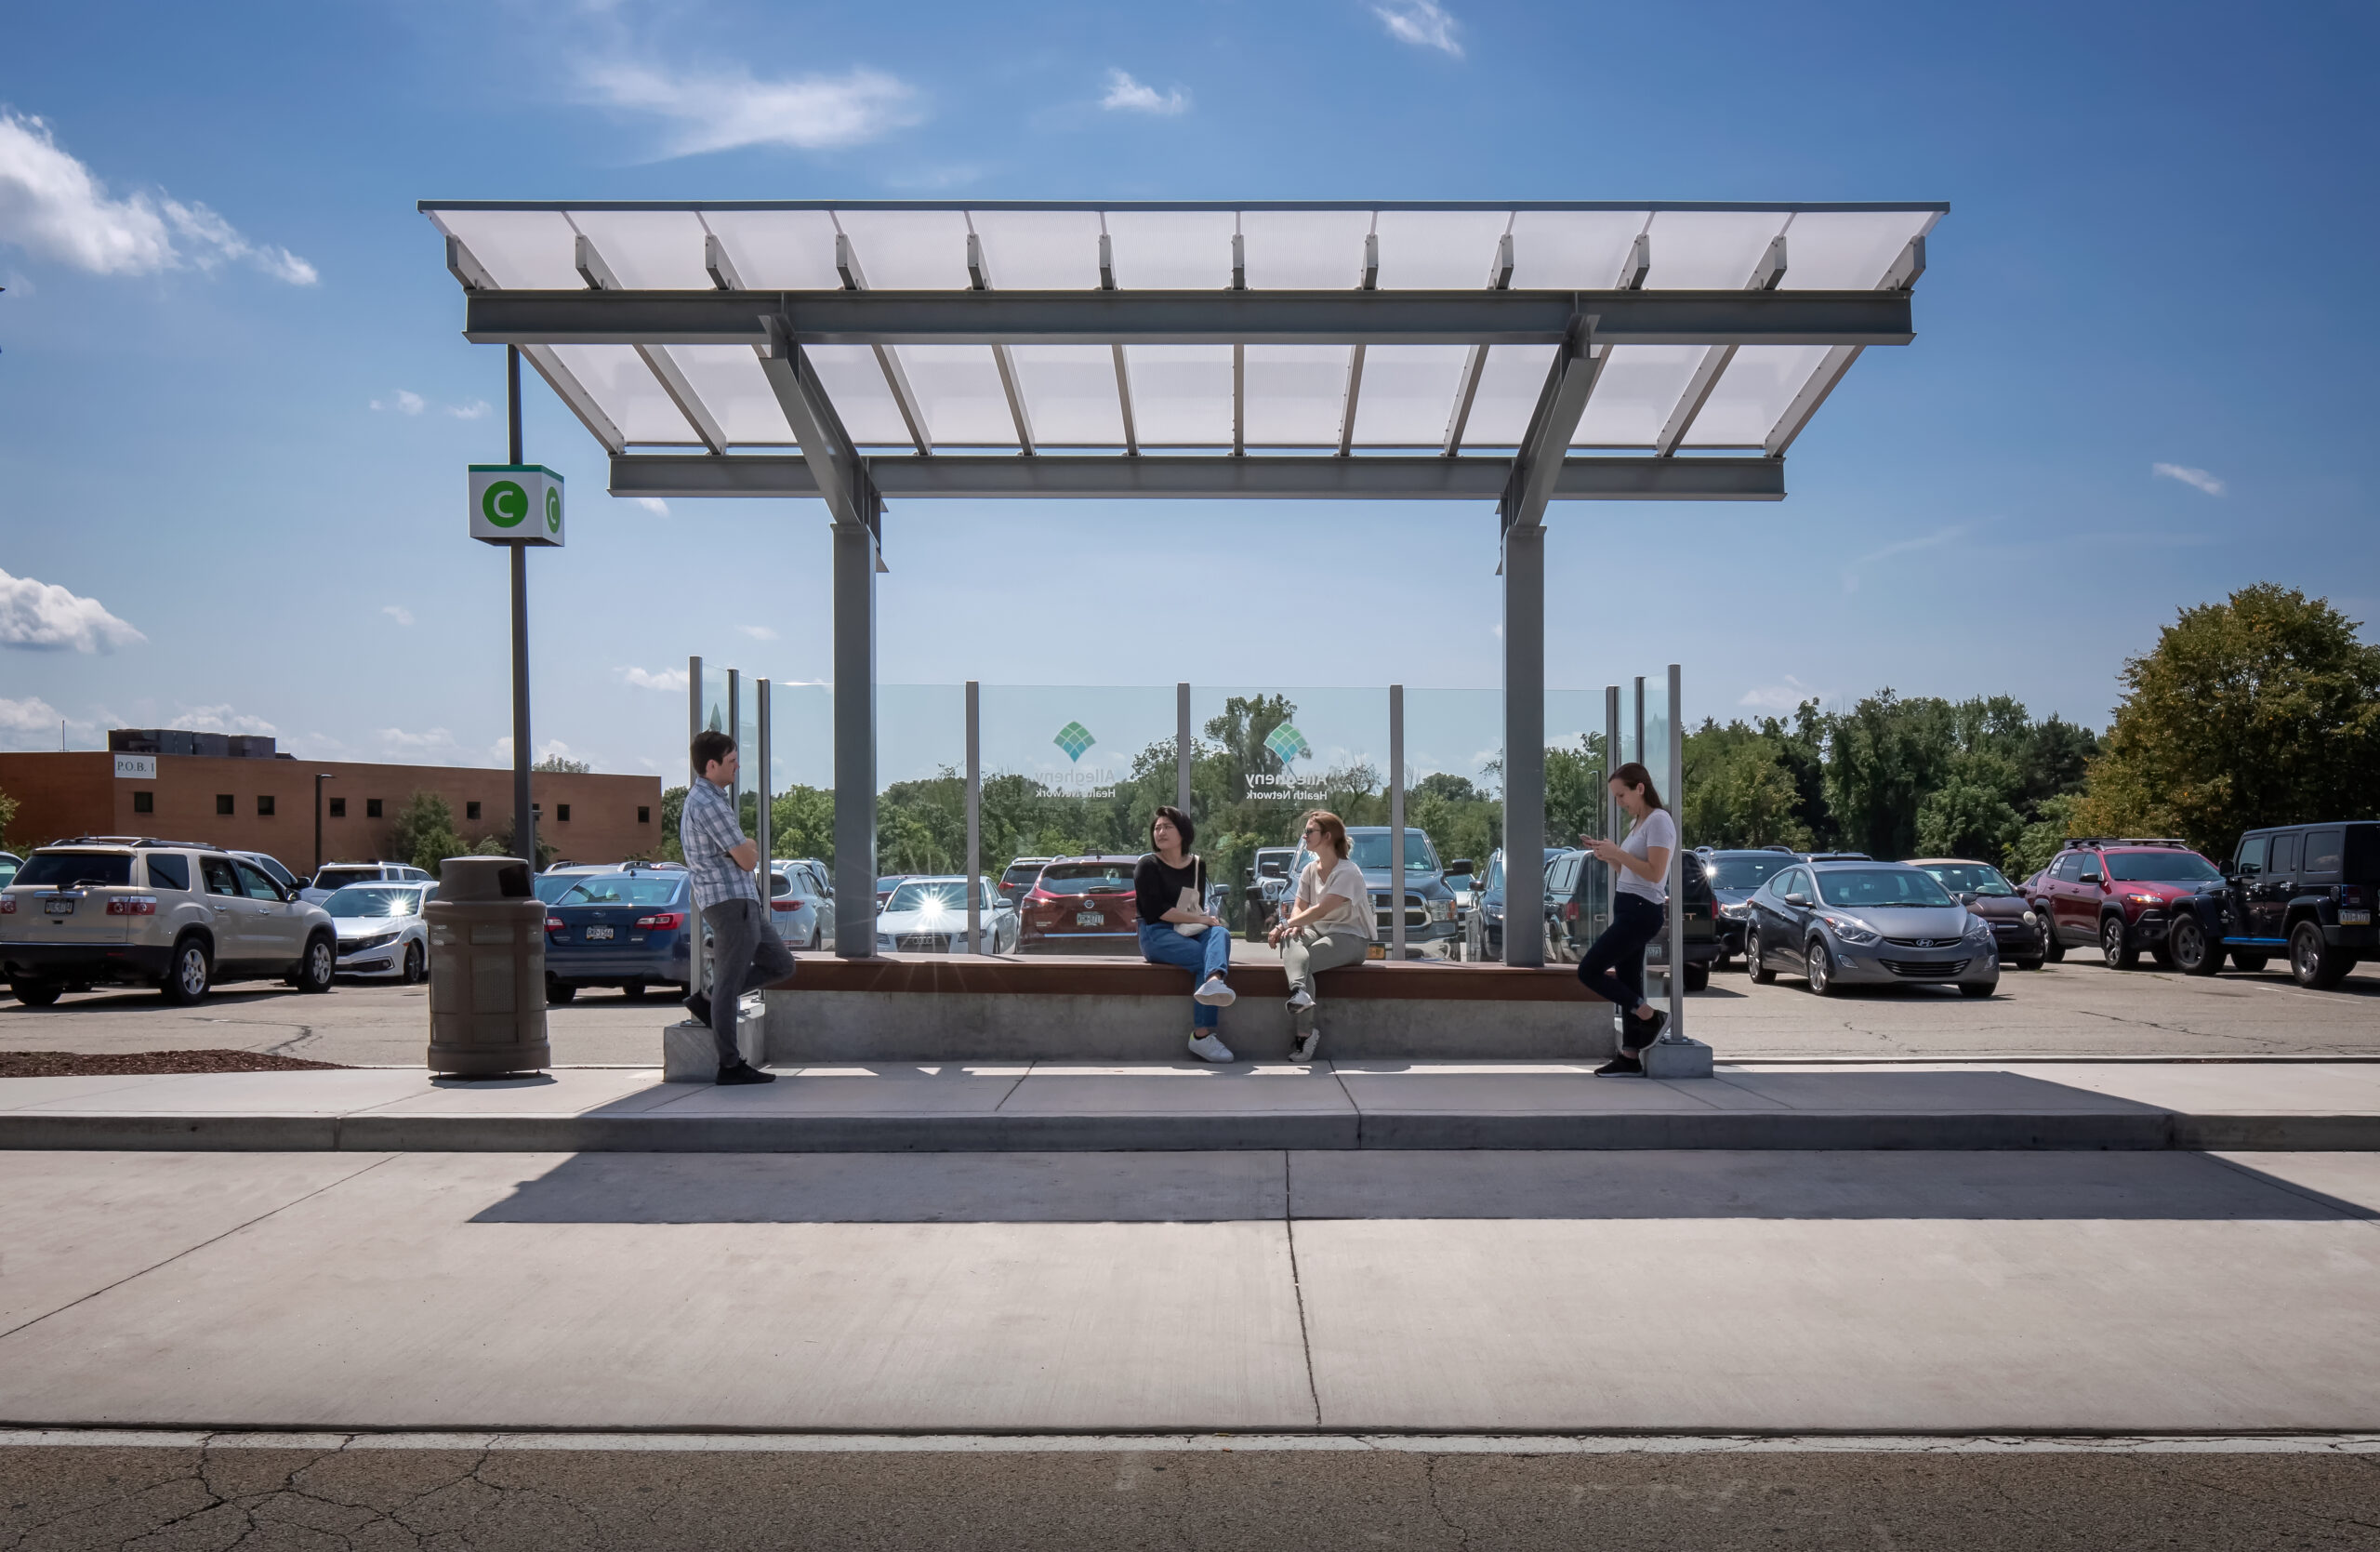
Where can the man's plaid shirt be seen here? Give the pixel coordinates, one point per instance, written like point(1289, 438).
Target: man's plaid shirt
point(708, 830)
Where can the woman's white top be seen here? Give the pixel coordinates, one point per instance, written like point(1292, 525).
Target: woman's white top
point(1352, 914)
point(1656, 828)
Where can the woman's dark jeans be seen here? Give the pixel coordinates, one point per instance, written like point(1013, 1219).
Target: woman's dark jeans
point(1614, 966)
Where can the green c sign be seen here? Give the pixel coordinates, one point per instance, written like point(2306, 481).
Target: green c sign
point(506, 504)
point(553, 510)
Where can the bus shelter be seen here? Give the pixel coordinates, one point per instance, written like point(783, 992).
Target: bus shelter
point(1504, 355)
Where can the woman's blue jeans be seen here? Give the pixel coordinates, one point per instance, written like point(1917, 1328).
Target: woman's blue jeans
point(1207, 954)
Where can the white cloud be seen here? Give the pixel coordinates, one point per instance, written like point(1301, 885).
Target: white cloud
point(655, 679)
point(1126, 93)
point(222, 719)
point(46, 618)
point(398, 739)
point(758, 632)
point(728, 110)
point(1934, 540)
point(653, 504)
point(51, 206)
point(2198, 479)
point(397, 612)
point(404, 402)
point(1783, 697)
point(471, 411)
point(1422, 23)
point(30, 723)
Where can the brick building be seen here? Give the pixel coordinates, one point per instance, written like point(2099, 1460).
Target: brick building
point(239, 793)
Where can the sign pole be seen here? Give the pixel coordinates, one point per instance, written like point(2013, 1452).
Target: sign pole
point(525, 814)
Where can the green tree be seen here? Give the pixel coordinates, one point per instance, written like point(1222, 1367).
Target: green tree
point(1969, 813)
point(500, 845)
point(2262, 710)
point(563, 765)
point(673, 807)
point(1740, 788)
point(1882, 758)
point(2040, 841)
point(423, 832)
point(801, 823)
point(7, 815)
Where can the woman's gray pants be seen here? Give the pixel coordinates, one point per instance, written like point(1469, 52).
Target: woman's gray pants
point(1308, 953)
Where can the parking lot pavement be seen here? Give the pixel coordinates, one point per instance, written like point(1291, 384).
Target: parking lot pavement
point(2079, 1008)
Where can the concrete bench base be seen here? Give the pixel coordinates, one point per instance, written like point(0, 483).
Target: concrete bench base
point(930, 1009)
point(689, 1053)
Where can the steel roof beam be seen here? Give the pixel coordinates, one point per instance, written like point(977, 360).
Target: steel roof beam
point(1537, 467)
point(836, 472)
point(1304, 477)
point(1188, 317)
point(599, 277)
point(1123, 371)
point(979, 273)
point(1767, 275)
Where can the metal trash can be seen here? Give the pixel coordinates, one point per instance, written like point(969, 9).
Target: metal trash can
point(487, 970)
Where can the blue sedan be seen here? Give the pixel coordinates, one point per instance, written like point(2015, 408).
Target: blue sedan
point(628, 930)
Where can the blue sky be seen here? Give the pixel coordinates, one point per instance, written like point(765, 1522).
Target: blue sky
point(235, 404)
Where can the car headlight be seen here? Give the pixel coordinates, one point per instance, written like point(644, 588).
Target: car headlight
point(1852, 932)
point(1442, 911)
point(2031, 919)
point(357, 944)
point(2144, 899)
point(1978, 927)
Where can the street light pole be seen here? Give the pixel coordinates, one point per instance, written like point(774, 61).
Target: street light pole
point(320, 777)
point(524, 819)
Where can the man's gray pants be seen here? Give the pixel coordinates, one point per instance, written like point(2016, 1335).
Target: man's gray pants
point(745, 953)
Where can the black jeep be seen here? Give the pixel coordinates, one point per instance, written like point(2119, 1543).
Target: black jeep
point(2303, 890)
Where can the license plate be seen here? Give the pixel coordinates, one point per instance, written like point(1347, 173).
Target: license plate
point(2355, 918)
point(1377, 952)
point(58, 908)
point(1089, 918)
point(598, 935)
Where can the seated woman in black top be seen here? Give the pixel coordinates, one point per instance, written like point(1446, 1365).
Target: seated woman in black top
point(1176, 927)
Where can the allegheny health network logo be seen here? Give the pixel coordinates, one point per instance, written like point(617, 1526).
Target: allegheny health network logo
point(1286, 744)
point(1074, 738)
point(506, 504)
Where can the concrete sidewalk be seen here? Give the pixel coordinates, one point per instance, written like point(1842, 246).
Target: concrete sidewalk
point(1379, 1105)
point(1335, 1291)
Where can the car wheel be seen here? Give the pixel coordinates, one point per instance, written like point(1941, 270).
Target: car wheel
point(559, 991)
point(186, 983)
point(1697, 977)
point(319, 966)
point(36, 994)
point(2116, 944)
point(2052, 948)
point(1978, 989)
point(1820, 967)
point(2194, 953)
point(1755, 963)
point(415, 970)
point(633, 991)
point(2313, 963)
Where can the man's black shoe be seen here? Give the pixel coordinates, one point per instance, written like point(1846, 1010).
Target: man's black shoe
point(698, 1005)
point(743, 1072)
point(1620, 1067)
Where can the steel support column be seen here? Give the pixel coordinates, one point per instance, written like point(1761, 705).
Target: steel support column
point(974, 815)
point(1524, 745)
point(855, 655)
point(525, 811)
point(1396, 825)
point(1673, 792)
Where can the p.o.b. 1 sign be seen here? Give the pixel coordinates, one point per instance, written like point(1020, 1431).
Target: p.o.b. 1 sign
point(516, 503)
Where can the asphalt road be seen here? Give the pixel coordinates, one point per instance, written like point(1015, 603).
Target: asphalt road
point(334, 1492)
point(2079, 1008)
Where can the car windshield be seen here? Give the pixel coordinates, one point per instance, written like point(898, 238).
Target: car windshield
point(1970, 878)
point(619, 889)
point(1081, 877)
point(1370, 852)
point(889, 882)
point(8, 866)
point(1881, 886)
point(553, 886)
point(340, 878)
point(2173, 866)
point(1745, 872)
point(374, 900)
point(1273, 864)
point(935, 897)
point(1024, 875)
point(69, 869)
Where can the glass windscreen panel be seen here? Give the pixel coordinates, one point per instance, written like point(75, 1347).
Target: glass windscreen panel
point(1881, 886)
point(1071, 772)
point(2161, 866)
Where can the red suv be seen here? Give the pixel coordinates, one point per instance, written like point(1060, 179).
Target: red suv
point(2118, 894)
point(1081, 905)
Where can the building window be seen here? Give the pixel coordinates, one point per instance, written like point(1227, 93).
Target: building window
point(471, 811)
point(222, 803)
point(644, 814)
point(371, 808)
point(562, 812)
point(144, 802)
point(338, 808)
point(264, 806)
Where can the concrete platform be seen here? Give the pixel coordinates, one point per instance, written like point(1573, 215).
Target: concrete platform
point(892, 1107)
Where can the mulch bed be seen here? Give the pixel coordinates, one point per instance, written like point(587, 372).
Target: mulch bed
point(76, 1064)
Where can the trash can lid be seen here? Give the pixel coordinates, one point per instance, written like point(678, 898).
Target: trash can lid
point(484, 878)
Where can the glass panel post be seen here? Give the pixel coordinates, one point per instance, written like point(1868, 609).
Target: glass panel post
point(1181, 748)
point(1673, 789)
point(761, 787)
point(974, 816)
point(1398, 863)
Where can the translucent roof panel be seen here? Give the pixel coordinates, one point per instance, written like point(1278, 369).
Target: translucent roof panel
point(1409, 392)
point(1303, 250)
point(959, 390)
point(1181, 394)
point(788, 250)
point(1510, 382)
point(1039, 250)
point(855, 384)
point(908, 250)
point(648, 251)
point(1437, 250)
point(1752, 394)
point(1071, 390)
point(522, 250)
point(729, 381)
point(1848, 250)
point(1709, 250)
point(1567, 250)
point(1296, 394)
point(1170, 250)
point(626, 392)
point(1638, 388)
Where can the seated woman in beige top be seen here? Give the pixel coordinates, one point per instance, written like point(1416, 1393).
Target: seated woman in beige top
point(1332, 924)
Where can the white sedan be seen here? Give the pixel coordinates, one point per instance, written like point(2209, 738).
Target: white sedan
point(382, 929)
point(929, 916)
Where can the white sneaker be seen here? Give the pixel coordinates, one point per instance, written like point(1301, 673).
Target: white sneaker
point(1304, 999)
point(1216, 993)
point(1206, 1048)
point(1306, 1044)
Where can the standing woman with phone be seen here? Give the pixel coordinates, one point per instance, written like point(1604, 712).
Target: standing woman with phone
point(1170, 886)
point(1613, 967)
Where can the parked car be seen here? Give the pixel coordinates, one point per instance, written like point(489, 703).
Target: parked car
point(928, 915)
point(1733, 875)
point(1429, 903)
point(383, 929)
point(339, 875)
point(1868, 923)
point(802, 905)
point(2303, 890)
point(289, 881)
point(1081, 905)
point(1463, 877)
point(181, 916)
point(1577, 887)
point(2118, 894)
point(1482, 927)
point(632, 930)
point(551, 886)
point(1268, 884)
point(885, 885)
point(9, 863)
point(1984, 890)
point(1017, 878)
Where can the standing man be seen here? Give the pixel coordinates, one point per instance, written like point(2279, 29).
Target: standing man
point(746, 951)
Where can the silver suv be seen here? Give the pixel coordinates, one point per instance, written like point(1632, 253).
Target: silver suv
point(332, 877)
point(176, 915)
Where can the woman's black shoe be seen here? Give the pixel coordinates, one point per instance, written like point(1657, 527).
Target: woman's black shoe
point(1644, 1032)
point(1620, 1066)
